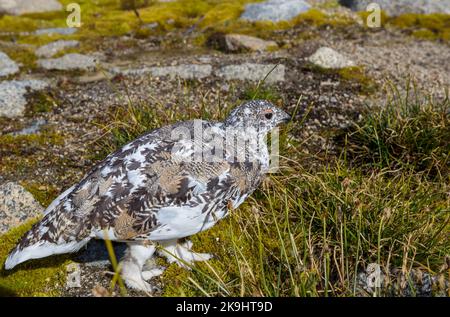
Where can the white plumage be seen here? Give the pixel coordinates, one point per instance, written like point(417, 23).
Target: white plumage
point(168, 184)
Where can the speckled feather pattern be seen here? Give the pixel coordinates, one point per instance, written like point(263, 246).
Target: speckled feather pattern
point(150, 189)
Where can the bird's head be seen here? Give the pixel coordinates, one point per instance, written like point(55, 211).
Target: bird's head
point(259, 115)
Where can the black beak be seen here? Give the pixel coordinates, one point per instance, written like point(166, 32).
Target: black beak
point(285, 117)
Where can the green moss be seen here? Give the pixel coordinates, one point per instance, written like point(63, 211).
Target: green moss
point(43, 193)
point(17, 144)
point(133, 4)
point(354, 76)
point(434, 22)
point(358, 75)
point(177, 14)
point(174, 279)
point(319, 18)
point(47, 136)
point(329, 4)
point(44, 277)
point(424, 34)
point(263, 92)
point(39, 40)
point(40, 102)
point(69, 51)
point(21, 24)
point(22, 55)
point(434, 26)
point(222, 13)
point(17, 153)
point(143, 33)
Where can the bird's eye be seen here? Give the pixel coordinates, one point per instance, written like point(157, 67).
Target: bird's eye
point(268, 115)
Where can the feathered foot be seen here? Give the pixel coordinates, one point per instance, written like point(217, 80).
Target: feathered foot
point(181, 253)
point(132, 264)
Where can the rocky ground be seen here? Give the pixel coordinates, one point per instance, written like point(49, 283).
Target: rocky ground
point(54, 114)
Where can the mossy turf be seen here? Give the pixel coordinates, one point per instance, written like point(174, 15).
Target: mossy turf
point(21, 153)
point(22, 55)
point(107, 18)
point(43, 193)
point(427, 26)
point(434, 26)
point(44, 277)
point(355, 77)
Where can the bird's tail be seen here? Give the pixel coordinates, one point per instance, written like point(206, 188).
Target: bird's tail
point(43, 240)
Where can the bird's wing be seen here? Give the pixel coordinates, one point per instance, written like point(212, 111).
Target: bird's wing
point(145, 190)
point(126, 194)
point(133, 207)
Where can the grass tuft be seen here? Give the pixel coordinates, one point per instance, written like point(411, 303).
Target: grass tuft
point(408, 134)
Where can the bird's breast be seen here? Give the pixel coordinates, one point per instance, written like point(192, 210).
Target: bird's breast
point(179, 222)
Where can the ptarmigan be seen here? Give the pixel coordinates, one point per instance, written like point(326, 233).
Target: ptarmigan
point(166, 185)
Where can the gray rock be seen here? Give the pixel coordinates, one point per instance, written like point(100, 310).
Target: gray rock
point(240, 42)
point(397, 7)
point(18, 7)
point(69, 62)
point(62, 31)
point(182, 71)
point(54, 47)
point(151, 26)
point(189, 71)
point(252, 72)
point(328, 58)
point(274, 10)
point(7, 65)
point(16, 206)
point(34, 128)
point(12, 95)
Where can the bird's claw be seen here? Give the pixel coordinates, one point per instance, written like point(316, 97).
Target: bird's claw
point(149, 274)
point(183, 255)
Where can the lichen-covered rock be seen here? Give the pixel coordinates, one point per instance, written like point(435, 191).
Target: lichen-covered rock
point(51, 31)
point(240, 42)
point(183, 71)
point(253, 72)
point(7, 65)
point(274, 10)
point(417, 282)
point(18, 7)
point(68, 62)
point(12, 95)
point(328, 58)
point(54, 47)
point(189, 71)
point(397, 7)
point(16, 206)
